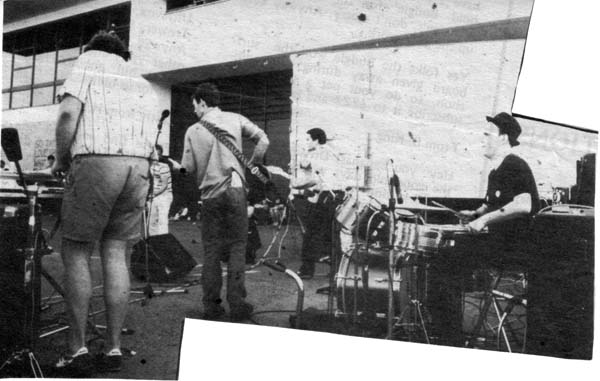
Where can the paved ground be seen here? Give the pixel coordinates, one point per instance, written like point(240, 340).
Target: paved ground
point(156, 324)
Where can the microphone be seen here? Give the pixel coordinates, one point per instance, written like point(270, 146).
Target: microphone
point(165, 114)
point(395, 184)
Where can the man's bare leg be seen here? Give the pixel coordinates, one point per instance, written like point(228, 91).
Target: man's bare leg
point(78, 288)
point(116, 288)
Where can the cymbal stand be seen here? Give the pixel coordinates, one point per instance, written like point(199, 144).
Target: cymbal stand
point(355, 248)
point(414, 307)
point(391, 258)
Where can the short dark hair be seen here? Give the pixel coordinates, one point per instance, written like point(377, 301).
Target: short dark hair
point(50, 157)
point(108, 42)
point(209, 93)
point(317, 134)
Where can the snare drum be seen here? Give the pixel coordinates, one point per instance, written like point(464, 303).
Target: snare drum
point(431, 238)
point(406, 236)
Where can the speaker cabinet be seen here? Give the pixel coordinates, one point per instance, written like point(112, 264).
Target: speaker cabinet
point(585, 189)
point(167, 259)
point(560, 295)
point(19, 305)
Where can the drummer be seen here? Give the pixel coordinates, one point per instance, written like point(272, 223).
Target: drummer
point(512, 193)
point(317, 175)
point(510, 202)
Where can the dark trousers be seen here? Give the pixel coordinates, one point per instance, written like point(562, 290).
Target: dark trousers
point(224, 233)
point(320, 236)
point(451, 274)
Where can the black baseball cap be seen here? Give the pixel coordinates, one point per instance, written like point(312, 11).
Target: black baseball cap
point(507, 125)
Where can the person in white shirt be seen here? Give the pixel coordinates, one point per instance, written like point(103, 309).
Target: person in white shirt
point(162, 195)
point(318, 176)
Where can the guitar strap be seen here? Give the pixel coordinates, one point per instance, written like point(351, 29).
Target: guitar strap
point(222, 138)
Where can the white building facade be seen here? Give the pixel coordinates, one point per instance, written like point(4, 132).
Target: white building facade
point(243, 46)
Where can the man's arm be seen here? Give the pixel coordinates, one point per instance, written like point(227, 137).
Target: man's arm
point(188, 161)
point(519, 206)
point(66, 126)
point(307, 180)
point(258, 136)
point(175, 164)
point(262, 144)
point(470, 215)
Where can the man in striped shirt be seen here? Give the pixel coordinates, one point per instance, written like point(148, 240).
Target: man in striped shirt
point(103, 146)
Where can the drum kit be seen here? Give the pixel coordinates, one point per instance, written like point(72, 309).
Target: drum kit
point(362, 281)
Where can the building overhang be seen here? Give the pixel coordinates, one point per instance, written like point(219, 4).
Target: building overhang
point(19, 15)
point(509, 29)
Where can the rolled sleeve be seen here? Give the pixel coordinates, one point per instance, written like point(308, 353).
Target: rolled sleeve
point(251, 130)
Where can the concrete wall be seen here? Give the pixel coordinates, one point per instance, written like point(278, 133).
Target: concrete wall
point(232, 30)
point(36, 133)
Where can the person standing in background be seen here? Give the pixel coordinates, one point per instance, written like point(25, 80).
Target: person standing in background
point(319, 177)
point(162, 195)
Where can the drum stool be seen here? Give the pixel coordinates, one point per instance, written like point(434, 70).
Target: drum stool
point(509, 308)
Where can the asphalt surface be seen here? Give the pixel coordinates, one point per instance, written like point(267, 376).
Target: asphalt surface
point(154, 325)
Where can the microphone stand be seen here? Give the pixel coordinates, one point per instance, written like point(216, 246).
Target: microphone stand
point(392, 228)
point(147, 290)
point(355, 254)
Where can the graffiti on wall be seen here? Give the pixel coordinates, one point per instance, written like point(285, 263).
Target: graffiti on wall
point(42, 148)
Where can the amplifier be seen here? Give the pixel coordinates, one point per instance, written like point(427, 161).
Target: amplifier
point(585, 190)
point(560, 291)
point(19, 307)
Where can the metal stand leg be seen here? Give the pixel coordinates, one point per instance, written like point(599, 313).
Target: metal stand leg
point(493, 296)
point(414, 311)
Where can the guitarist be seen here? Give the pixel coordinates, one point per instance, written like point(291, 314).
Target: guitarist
point(318, 175)
point(219, 175)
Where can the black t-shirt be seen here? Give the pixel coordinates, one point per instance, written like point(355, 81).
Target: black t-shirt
point(510, 179)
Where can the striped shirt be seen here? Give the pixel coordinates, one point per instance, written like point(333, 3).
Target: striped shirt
point(161, 172)
point(119, 109)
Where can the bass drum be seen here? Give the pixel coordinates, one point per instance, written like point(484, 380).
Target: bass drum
point(369, 293)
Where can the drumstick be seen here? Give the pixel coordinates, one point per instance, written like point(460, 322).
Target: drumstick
point(445, 207)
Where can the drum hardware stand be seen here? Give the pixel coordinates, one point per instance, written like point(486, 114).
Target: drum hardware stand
point(414, 305)
point(355, 253)
point(334, 262)
point(492, 297)
point(278, 266)
point(288, 210)
point(393, 186)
